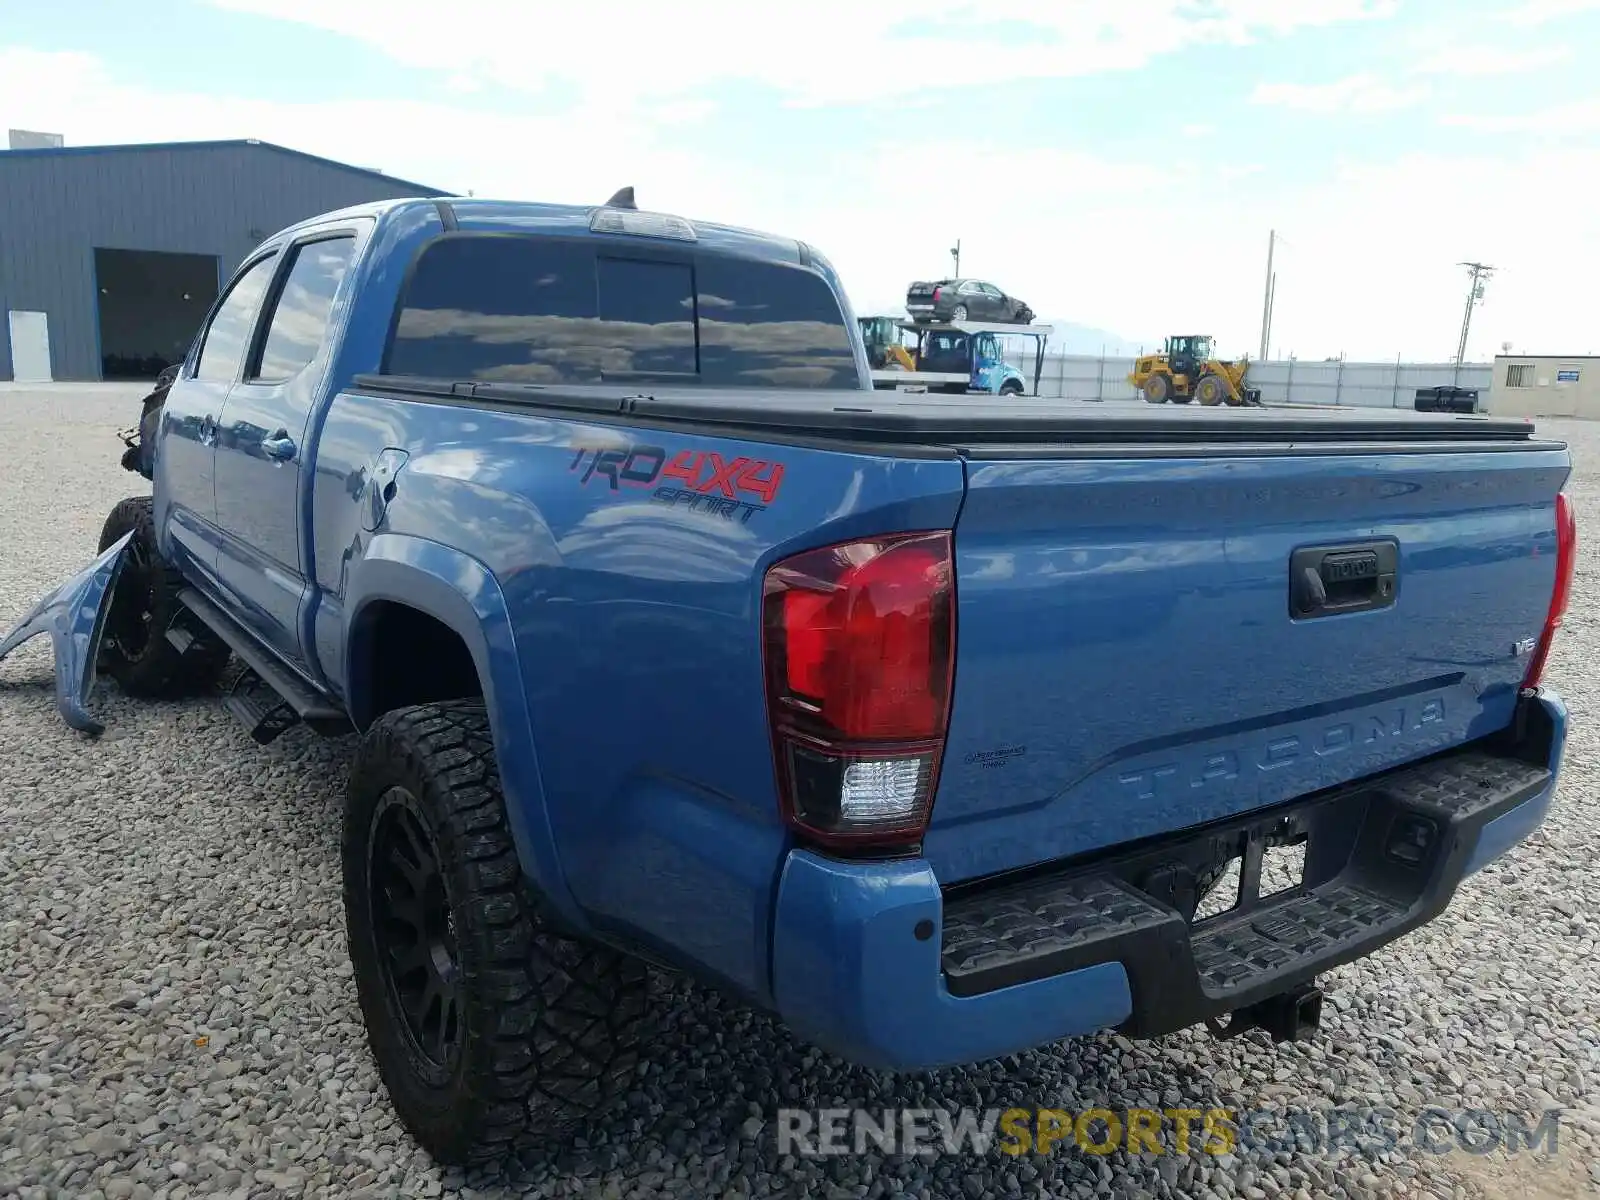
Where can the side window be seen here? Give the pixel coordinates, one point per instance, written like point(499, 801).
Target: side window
point(768, 325)
point(499, 308)
point(229, 332)
point(300, 317)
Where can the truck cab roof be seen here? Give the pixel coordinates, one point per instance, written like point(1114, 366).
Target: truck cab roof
point(482, 215)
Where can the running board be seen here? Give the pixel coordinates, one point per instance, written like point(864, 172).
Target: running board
point(251, 700)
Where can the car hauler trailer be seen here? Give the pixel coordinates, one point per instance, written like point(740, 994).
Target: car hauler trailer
point(964, 357)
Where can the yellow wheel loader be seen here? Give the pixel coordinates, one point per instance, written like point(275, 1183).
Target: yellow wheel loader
point(1187, 370)
point(886, 348)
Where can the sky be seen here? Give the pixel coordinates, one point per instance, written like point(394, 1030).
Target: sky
point(1117, 165)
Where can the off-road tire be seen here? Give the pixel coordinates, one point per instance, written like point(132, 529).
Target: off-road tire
point(134, 649)
point(547, 1027)
point(1156, 389)
point(1212, 390)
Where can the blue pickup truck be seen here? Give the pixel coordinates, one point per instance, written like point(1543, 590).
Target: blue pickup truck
point(941, 727)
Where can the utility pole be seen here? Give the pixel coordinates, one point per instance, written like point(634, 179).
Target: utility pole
point(1272, 300)
point(1481, 273)
point(1266, 300)
point(955, 253)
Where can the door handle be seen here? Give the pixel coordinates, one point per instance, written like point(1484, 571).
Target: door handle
point(208, 430)
point(1325, 580)
point(279, 447)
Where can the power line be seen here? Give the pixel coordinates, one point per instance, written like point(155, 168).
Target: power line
point(1481, 274)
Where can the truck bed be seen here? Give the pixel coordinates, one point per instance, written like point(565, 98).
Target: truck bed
point(981, 424)
point(1129, 659)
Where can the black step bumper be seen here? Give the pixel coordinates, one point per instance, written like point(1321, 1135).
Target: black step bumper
point(1381, 857)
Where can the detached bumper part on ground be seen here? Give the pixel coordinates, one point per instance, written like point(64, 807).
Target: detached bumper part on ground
point(871, 961)
point(74, 616)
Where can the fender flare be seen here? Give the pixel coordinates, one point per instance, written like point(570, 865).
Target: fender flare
point(74, 615)
point(461, 593)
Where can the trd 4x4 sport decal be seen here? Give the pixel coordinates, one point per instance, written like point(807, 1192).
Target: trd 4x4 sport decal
point(732, 488)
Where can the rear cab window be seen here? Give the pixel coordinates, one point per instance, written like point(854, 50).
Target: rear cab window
point(515, 308)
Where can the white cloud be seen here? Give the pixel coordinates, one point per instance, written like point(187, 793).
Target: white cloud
point(1368, 266)
point(828, 52)
point(1490, 60)
point(1540, 12)
point(1354, 94)
point(447, 145)
point(1561, 120)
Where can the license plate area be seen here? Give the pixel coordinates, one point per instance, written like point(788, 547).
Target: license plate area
point(1238, 865)
point(1282, 870)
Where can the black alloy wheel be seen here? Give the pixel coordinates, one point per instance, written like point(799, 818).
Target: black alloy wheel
point(416, 932)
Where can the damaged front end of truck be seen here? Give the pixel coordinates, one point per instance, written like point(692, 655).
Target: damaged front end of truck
point(74, 615)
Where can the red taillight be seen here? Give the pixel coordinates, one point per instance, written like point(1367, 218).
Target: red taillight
point(1566, 565)
point(860, 646)
point(936, 292)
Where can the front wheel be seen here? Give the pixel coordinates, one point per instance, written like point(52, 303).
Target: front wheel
point(135, 650)
point(490, 1031)
point(1156, 389)
point(1211, 391)
point(1012, 388)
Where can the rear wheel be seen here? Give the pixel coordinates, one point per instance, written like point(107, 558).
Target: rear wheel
point(960, 313)
point(1212, 390)
point(1157, 388)
point(134, 650)
point(490, 1031)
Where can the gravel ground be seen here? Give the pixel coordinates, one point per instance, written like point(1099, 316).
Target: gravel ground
point(177, 1015)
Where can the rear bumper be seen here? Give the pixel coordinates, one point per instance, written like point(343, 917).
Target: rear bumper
point(874, 962)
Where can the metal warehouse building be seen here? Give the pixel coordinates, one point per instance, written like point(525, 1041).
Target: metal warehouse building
point(111, 255)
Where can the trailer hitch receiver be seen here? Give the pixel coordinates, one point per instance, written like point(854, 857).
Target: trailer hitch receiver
point(1291, 1016)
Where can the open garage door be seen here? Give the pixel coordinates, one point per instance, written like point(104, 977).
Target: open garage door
point(150, 306)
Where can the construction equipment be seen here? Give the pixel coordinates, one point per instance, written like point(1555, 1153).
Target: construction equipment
point(886, 348)
point(1186, 369)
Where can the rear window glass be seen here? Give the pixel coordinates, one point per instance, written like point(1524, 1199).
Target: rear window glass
point(765, 325)
point(646, 317)
point(544, 310)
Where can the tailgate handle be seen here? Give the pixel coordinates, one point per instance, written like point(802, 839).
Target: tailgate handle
point(1327, 580)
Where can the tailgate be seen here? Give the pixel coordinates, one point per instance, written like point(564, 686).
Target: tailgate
point(1128, 661)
